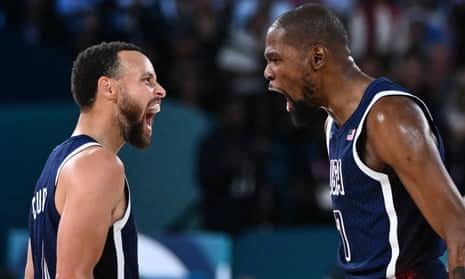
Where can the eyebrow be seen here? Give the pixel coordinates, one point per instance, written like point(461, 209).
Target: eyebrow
point(270, 54)
point(149, 74)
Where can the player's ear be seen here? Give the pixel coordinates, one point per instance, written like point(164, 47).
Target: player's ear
point(106, 87)
point(318, 56)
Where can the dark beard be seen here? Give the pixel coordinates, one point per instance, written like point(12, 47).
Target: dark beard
point(305, 111)
point(131, 121)
point(303, 115)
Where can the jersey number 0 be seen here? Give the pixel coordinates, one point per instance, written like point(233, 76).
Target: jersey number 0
point(342, 233)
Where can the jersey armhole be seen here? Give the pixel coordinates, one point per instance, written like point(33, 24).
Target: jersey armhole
point(121, 223)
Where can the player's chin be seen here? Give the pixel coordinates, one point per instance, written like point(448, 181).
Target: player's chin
point(304, 115)
point(140, 137)
point(142, 143)
point(145, 139)
point(146, 143)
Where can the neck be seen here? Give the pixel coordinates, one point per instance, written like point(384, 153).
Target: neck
point(345, 92)
point(101, 127)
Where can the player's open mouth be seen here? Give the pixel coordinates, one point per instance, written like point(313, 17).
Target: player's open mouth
point(289, 103)
point(276, 90)
point(151, 111)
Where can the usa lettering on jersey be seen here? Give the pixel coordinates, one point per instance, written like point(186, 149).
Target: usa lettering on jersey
point(38, 202)
point(336, 183)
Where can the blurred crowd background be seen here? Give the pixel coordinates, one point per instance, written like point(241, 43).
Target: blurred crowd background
point(252, 167)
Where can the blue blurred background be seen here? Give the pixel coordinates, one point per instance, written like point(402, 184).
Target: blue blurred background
point(229, 189)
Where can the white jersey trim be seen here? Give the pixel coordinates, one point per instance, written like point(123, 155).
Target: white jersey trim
point(70, 155)
point(329, 124)
point(46, 273)
point(118, 237)
point(122, 222)
point(385, 183)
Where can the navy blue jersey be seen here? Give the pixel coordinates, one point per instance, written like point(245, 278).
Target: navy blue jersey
point(382, 231)
point(119, 257)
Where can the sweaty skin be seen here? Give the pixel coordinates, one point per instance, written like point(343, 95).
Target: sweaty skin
point(90, 193)
point(397, 135)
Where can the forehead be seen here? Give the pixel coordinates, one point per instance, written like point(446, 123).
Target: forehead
point(275, 43)
point(135, 62)
point(274, 36)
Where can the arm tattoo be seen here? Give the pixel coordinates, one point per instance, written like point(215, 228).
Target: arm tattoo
point(458, 273)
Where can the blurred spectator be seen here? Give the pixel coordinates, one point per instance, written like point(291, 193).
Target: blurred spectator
point(196, 30)
point(192, 87)
point(409, 72)
point(427, 23)
point(242, 55)
point(81, 19)
point(427, 35)
point(227, 173)
point(40, 24)
point(457, 23)
point(33, 21)
point(2, 16)
point(455, 120)
point(343, 8)
point(210, 54)
point(13, 12)
point(244, 10)
point(372, 64)
point(376, 27)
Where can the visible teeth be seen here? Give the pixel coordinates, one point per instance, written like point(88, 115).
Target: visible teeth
point(275, 90)
point(289, 106)
point(155, 108)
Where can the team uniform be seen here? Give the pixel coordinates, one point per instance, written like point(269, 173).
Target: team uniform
point(119, 257)
point(383, 234)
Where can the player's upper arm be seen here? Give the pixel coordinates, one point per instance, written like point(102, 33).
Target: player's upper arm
point(93, 181)
point(29, 269)
point(400, 135)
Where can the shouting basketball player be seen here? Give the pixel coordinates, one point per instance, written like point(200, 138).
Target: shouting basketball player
point(81, 224)
point(395, 205)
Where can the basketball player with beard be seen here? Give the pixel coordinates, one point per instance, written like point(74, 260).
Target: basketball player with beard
point(80, 222)
point(395, 206)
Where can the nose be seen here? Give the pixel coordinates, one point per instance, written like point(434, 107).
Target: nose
point(159, 91)
point(267, 73)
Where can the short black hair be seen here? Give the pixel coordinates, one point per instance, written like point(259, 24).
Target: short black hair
point(311, 24)
point(92, 63)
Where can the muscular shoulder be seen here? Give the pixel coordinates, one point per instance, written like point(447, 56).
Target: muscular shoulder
point(397, 113)
point(95, 169)
point(100, 158)
point(396, 125)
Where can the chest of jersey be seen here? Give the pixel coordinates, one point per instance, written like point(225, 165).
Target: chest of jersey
point(350, 186)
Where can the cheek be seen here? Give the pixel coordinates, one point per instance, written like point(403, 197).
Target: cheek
point(292, 80)
point(285, 77)
point(141, 95)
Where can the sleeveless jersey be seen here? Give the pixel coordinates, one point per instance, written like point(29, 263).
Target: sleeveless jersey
point(382, 231)
point(119, 257)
